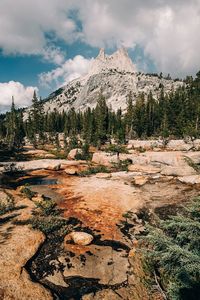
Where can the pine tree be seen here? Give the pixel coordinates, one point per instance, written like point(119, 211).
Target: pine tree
point(101, 118)
point(14, 125)
point(129, 116)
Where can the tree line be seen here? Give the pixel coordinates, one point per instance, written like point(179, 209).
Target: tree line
point(175, 114)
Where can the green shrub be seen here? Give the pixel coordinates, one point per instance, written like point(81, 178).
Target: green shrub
point(94, 170)
point(85, 153)
point(176, 253)
point(47, 206)
point(122, 165)
point(47, 224)
point(27, 192)
point(116, 149)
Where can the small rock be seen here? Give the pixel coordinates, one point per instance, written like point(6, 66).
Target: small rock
point(81, 238)
point(71, 171)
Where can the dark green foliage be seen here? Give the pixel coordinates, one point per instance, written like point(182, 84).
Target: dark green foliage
point(27, 192)
point(176, 114)
point(47, 224)
point(116, 148)
point(121, 165)
point(14, 132)
point(94, 170)
point(85, 153)
point(176, 253)
point(47, 206)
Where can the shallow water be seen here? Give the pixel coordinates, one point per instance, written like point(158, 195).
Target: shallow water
point(13, 181)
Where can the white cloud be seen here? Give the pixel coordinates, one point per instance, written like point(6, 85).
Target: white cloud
point(22, 95)
point(71, 69)
point(167, 30)
point(53, 54)
point(25, 25)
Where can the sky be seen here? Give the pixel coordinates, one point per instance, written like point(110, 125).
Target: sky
point(45, 44)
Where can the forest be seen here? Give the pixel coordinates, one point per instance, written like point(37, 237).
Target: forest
point(173, 115)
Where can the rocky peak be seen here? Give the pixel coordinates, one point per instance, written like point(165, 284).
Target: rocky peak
point(113, 75)
point(119, 61)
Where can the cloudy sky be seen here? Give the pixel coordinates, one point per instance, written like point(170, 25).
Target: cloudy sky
point(46, 43)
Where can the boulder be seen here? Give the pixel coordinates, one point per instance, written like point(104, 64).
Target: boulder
point(71, 170)
point(194, 156)
point(178, 171)
point(103, 158)
point(179, 145)
point(193, 179)
point(145, 144)
point(80, 238)
point(72, 154)
point(165, 158)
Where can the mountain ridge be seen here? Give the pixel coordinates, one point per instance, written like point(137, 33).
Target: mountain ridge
point(115, 76)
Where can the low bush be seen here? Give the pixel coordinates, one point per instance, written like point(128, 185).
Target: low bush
point(175, 253)
point(47, 206)
point(121, 165)
point(94, 170)
point(47, 224)
point(27, 192)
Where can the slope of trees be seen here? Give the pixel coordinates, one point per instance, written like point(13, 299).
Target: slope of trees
point(175, 114)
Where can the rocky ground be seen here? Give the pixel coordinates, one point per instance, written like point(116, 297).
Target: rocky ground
point(95, 253)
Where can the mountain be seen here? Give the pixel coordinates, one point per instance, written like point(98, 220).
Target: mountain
point(115, 76)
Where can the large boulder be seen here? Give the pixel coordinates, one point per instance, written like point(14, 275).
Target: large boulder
point(145, 144)
point(165, 158)
point(72, 154)
point(178, 171)
point(80, 238)
point(179, 145)
point(103, 158)
point(194, 156)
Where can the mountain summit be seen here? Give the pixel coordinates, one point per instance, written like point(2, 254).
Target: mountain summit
point(119, 61)
point(113, 75)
